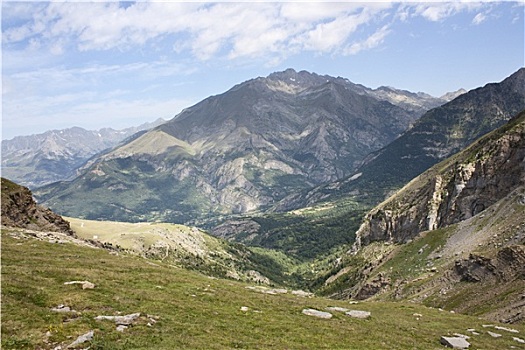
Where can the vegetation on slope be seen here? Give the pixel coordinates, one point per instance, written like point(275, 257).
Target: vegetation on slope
point(191, 311)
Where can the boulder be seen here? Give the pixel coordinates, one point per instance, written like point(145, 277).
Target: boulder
point(358, 314)
point(455, 342)
point(317, 313)
point(120, 320)
point(82, 339)
point(85, 284)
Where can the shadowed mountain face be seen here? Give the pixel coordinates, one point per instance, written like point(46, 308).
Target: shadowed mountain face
point(242, 150)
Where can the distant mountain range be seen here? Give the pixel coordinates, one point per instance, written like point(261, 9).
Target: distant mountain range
point(242, 150)
point(55, 155)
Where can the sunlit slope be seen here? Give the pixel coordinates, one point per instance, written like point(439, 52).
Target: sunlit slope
point(192, 311)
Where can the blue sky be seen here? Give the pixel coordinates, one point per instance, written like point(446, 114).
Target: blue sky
point(119, 64)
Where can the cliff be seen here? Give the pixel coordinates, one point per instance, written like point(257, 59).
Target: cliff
point(20, 210)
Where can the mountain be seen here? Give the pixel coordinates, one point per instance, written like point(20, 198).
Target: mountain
point(438, 134)
point(452, 237)
point(239, 151)
point(20, 210)
point(37, 160)
point(452, 191)
point(313, 222)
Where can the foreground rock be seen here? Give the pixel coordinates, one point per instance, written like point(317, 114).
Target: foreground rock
point(82, 339)
point(358, 314)
point(317, 313)
point(120, 320)
point(455, 342)
point(19, 209)
point(85, 284)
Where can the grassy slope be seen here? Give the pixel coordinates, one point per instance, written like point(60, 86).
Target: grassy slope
point(194, 311)
point(190, 248)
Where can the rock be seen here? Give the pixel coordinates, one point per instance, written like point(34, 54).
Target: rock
point(62, 308)
point(244, 308)
point(120, 320)
point(494, 335)
point(417, 315)
point(302, 293)
point(455, 342)
point(85, 284)
point(519, 340)
point(82, 339)
point(358, 314)
point(121, 328)
point(507, 329)
point(317, 313)
point(461, 335)
point(337, 308)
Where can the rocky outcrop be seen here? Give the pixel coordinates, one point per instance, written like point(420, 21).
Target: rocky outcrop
point(509, 264)
point(20, 210)
point(454, 190)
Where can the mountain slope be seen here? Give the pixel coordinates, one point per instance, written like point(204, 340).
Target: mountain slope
point(236, 152)
point(37, 160)
point(457, 189)
point(180, 309)
point(437, 135)
point(454, 232)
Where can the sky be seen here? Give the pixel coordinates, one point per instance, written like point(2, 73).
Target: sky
point(121, 64)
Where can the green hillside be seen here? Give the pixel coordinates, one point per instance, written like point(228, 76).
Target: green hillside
point(180, 309)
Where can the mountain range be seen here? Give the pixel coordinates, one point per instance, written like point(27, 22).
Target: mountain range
point(241, 151)
point(56, 155)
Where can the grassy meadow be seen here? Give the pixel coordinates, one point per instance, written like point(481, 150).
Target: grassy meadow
point(192, 311)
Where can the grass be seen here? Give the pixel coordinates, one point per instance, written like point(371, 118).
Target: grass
point(193, 310)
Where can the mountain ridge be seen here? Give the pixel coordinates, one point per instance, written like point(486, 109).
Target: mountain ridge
point(56, 155)
point(241, 150)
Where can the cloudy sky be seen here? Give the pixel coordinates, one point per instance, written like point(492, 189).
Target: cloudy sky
point(119, 64)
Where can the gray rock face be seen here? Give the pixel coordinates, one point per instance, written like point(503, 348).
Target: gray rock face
point(476, 178)
point(317, 313)
point(455, 342)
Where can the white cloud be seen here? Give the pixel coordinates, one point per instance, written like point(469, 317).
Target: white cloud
point(436, 12)
point(232, 30)
point(371, 42)
point(479, 18)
